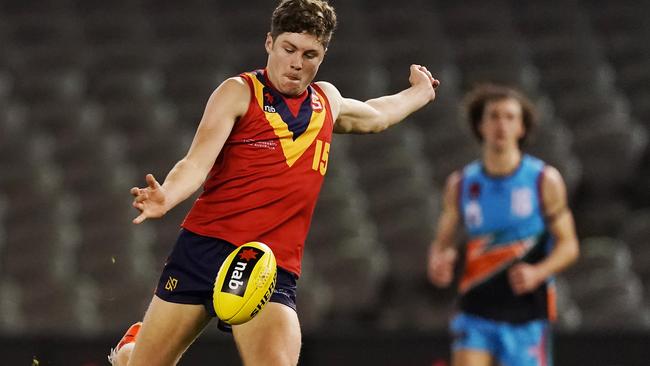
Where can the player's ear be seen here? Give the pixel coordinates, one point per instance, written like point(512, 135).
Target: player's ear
point(268, 44)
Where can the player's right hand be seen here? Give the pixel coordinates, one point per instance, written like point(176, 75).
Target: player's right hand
point(441, 266)
point(150, 201)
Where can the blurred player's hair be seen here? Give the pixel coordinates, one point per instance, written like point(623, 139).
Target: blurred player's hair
point(315, 17)
point(476, 100)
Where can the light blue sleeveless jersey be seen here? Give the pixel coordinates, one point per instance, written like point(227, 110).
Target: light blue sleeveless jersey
point(507, 208)
point(504, 221)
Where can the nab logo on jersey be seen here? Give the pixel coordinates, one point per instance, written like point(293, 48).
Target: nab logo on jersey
point(269, 100)
point(240, 271)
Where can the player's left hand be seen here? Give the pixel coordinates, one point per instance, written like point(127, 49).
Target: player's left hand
point(420, 76)
point(524, 278)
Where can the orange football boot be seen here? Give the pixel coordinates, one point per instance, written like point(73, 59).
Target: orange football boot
point(129, 337)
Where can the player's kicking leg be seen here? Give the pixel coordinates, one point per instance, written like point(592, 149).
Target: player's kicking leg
point(272, 338)
point(166, 332)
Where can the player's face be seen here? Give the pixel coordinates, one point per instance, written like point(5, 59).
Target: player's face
point(293, 61)
point(502, 124)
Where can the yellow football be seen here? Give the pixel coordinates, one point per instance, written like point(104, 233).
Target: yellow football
point(244, 283)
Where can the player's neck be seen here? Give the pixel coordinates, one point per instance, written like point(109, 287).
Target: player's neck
point(501, 163)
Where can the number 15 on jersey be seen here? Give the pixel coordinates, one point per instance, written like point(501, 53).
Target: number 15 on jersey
point(321, 155)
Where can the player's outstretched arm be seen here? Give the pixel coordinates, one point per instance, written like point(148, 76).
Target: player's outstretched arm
point(527, 277)
point(443, 253)
point(228, 102)
point(376, 115)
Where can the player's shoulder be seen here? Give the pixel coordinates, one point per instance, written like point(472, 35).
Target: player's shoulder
point(233, 87)
point(454, 178)
point(333, 96)
point(326, 85)
point(331, 92)
point(235, 83)
point(471, 169)
point(552, 175)
point(231, 97)
point(548, 170)
point(534, 162)
point(452, 184)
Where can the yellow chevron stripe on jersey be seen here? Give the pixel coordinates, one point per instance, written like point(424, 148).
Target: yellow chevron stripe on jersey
point(292, 149)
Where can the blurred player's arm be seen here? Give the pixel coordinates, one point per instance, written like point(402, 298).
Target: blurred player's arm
point(527, 277)
point(443, 253)
point(227, 103)
point(376, 115)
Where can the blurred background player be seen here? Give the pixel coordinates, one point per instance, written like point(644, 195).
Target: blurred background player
point(520, 232)
point(261, 151)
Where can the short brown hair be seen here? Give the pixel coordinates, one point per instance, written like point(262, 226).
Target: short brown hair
point(315, 17)
point(480, 96)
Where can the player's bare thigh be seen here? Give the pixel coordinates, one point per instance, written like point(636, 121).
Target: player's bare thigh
point(271, 338)
point(466, 357)
point(167, 331)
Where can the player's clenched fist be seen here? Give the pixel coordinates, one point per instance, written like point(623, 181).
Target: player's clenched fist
point(441, 266)
point(423, 77)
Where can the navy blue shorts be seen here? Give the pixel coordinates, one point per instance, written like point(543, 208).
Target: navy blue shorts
point(191, 268)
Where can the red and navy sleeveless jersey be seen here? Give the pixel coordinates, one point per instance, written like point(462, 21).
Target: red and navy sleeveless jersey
point(266, 180)
point(504, 220)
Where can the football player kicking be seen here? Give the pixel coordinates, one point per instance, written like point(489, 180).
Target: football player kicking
point(261, 152)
